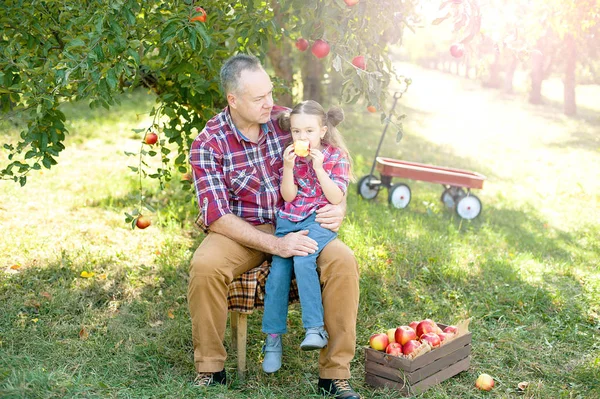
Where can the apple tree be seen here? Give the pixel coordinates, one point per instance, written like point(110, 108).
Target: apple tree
point(91, 51)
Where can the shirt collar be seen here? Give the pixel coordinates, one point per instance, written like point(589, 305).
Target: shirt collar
point(264, 127)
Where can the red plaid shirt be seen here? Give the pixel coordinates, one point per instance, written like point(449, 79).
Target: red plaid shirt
point(234, 175)
point(310, 195)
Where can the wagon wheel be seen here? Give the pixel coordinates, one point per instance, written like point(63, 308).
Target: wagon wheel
point(399, 196)
point(365, 189)
point(452, 195)
point(468, 207)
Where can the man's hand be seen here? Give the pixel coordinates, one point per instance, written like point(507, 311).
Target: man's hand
point(331, 216)
point(295, 244)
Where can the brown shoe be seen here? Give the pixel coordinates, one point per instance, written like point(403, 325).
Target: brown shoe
point(210, 379)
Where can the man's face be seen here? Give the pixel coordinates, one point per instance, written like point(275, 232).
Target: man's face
point(253, 101)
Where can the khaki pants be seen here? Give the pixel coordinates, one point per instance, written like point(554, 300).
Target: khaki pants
point(218, 260)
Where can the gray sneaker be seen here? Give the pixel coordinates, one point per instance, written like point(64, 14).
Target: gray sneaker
point(315, 338)
point(272, 350)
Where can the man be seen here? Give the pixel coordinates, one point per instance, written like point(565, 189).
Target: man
point(236, 162)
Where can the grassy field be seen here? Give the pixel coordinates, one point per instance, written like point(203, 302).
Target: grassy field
point(526, 271)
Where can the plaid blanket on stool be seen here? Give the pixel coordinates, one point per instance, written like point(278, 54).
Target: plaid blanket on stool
point(247, 292)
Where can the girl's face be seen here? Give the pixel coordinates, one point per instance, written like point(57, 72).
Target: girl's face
point(307, 127)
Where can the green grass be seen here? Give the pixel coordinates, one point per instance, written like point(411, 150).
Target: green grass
point(526, 271)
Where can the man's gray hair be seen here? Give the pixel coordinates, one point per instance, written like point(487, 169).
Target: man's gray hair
point(232, 69)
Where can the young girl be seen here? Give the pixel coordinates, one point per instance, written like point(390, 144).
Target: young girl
point(310, 180)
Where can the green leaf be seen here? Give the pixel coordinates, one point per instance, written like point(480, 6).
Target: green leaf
point(74, 43)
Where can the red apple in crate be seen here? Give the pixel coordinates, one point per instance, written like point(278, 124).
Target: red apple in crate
point(379, 341)
point(359, 62)
point(413, 325)
point(451, 330)
point(404, 334)
point(484, 382)
point(431, 338)
point(443, 336)
point(425, 326)
point(410, 346)
point(302, 44)
point(320, 48)
point(391, 335)
point(394, 349)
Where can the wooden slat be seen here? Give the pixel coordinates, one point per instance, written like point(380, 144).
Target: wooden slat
point(406, 389)
point(414, 377)
point(411, 365)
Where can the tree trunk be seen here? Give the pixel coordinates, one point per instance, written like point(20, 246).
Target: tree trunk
point(312, 76)
point(537, 77)
point(280, 56)
point(570, 106)
point(510, 74)
point(494, 80)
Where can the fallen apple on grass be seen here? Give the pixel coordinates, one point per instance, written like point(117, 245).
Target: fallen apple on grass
point(485, 382)
point(379, 341)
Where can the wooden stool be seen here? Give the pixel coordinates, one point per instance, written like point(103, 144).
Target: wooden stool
point(247, 293)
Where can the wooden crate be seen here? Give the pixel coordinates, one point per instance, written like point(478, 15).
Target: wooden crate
point(413, 376)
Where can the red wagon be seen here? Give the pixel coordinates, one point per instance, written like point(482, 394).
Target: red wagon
point(457, 183)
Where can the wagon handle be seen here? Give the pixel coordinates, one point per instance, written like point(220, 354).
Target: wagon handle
point(397, 95)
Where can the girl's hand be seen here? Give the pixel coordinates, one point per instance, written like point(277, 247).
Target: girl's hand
point(289, 157)
point(317, 159)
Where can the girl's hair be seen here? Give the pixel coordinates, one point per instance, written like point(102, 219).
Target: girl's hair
point(331, 119)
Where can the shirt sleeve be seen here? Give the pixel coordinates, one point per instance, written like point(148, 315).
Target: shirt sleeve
point(340, 170)
point(209, 181)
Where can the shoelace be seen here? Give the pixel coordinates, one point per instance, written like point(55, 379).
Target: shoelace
point(342, 385)
point(203, 379)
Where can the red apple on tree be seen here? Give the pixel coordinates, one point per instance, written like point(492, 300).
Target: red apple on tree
point(320, 48)
point(142, 222)
point(394, 349)
point(151, 138)
point(404, 334)
point(410, 346)
point(425, 326)
point(432, 339)
point(484, 382)
point(351, 3)
point(302, 44)
point(379, 341)
point(457, 50)
point(201, 17)
point(359, 62)
point(371, 109)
